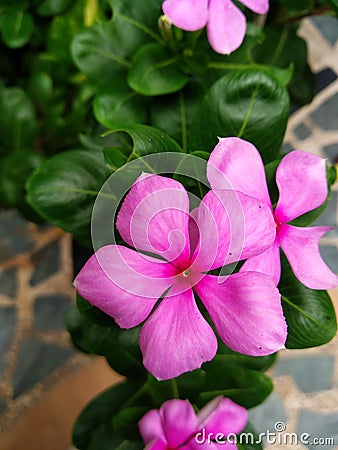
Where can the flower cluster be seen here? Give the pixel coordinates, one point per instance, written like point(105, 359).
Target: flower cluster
point(225, 22)
point(178, 251)
point(176, 426)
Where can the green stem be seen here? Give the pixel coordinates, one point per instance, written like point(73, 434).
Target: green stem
point(183, 123)
point(281, 45)
point(248, 114)
point(174, 386)
point(140, 26)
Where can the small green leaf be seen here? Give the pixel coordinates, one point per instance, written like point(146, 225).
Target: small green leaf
point(64, 188)
point(244, 386)
point(309, 313)
point(155, 71)
point(53, 7)
point(246, 103)
point(17, 28)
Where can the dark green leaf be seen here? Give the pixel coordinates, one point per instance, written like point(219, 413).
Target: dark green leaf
point(155, 71)
point(104, 438)
point(247, 103)
point(117, 105)
point(53, 7)
point(64, 188)
point(261, 363)
point(309, 313)
point(101, 410)
point(17, 119)
point(245, 387)
point(125, 421)
point(17, 28)
point(249, 439)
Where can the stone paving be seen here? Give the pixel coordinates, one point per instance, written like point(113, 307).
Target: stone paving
point(36, 274)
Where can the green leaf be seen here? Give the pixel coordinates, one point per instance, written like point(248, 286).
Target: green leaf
point(101, 410)
point(309, 313)
point(125, 422)
point(40, 88)
point(249, 439)
point(17, 28)
point(282, 47)
point(155, 71)
point(246, 103)
point(98, 55)
point(53, 7)
point(244, 386)
point(104, 438)
point(64, 188)
point(15, 168)
point(98, 334)
point(261, 363)
point(17, 119)
point(118, 105)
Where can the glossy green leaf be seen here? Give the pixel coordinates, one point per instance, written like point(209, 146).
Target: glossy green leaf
point(118, 105)
point(64, 188)
point(244, 386)
point(17, 119)
point(310, 314)
point(17, 28)
point(155, 71)
point(246, 103)
point(101, 410)
point(261, 363)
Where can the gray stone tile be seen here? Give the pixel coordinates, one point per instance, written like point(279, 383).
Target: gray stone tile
point(15, 236)
point(328, 27)
point(50, 310)
point(7, 329)
point(331, 151)
point(47, 262)
point(330, 256)
point(265, 416)
point(326, 115)
point(319, 426)
point(302, 131)
point(311, 373)
point(36, 360)
point(8, 282)
point(287, 147)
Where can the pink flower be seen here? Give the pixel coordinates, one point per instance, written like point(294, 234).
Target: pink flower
point(226, 24)
point(176, 426)
point(176, 338)
point(302, 184)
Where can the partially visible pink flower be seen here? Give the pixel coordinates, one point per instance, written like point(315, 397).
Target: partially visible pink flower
point(226, 24)
point(154, 218)
point(176, 426)
point(302, 184)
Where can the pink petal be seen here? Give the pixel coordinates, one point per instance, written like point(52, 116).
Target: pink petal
point(232, 226)
point(151, 426)
point(158, 444)
point(300, 246)
point(236, 164)
point(301, 180)
point(123, 283)
point(179, 421)
point(176, 338)
point(154, 217)
point(257, 6)
point(267, 262)
point(246, 311)
point(190, 15)
point(226, 26)
point(222, 415)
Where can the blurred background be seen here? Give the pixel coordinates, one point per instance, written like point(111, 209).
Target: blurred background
point(44, 382)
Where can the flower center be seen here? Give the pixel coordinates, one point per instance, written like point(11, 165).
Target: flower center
point(186, 273)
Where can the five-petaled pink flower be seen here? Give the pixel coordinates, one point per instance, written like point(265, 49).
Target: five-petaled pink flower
point(226, 24)
point(302, 184)
point(126, 284)
point(176, 426)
